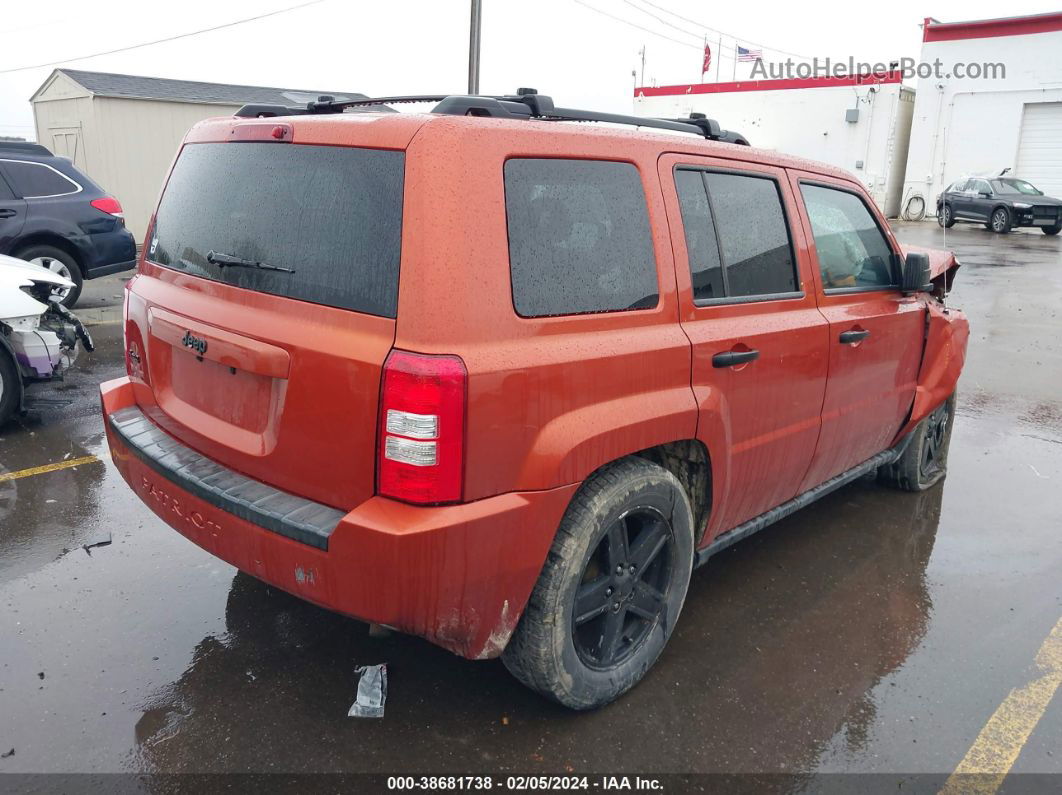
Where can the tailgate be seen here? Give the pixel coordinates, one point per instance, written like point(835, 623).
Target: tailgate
point(264, 310)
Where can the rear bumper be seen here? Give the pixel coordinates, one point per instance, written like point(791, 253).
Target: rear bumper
point(104, 253)
point(458, 575)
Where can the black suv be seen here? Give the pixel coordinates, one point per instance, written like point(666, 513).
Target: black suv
point(53, 215)
point(1000, 203)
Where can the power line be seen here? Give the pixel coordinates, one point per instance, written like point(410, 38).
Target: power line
point(162, 41)
point(660, 19)
point(635, 25)
point(724, 52)
point(724, 33)
point(730, 49)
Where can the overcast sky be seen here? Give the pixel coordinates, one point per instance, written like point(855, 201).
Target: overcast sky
point(582, 57)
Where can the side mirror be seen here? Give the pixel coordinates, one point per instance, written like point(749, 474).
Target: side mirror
point(916, 274)
point(986, 194)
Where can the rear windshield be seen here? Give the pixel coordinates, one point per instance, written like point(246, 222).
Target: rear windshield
point(331, 215)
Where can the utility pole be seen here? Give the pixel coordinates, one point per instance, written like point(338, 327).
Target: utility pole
point(473, 47)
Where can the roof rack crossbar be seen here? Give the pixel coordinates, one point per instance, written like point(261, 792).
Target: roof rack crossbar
point(526, 103)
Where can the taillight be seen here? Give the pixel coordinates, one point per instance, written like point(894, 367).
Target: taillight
point(109, 205)
point(422, 428)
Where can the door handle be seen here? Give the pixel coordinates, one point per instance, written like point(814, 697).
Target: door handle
point(730, 358)
point(854, 336)
point(5, 213)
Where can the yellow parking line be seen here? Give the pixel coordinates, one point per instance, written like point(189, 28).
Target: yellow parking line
point(25, 473)
point(997, 746)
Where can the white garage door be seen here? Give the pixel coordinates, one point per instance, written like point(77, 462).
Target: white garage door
point(1040, 147)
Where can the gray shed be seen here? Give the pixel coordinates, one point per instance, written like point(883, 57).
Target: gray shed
point(124, 130)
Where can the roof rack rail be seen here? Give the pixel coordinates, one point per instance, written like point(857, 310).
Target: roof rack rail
point(526, 103)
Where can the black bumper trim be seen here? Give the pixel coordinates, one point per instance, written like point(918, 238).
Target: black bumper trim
point(294, 517)
point(107, 270)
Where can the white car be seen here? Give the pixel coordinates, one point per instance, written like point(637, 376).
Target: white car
point(38, 335)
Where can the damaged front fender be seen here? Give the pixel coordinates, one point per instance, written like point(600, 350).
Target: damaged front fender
point(947, 335)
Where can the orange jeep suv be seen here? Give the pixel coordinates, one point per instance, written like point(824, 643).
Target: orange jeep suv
point(501, 380)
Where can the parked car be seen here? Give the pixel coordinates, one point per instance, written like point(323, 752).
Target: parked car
point(1000, 203)
point(39, 336)
point(501, 381)
point(53, 215)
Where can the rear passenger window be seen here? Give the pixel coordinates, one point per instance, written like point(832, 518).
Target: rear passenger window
point(852, 251)
point(736, 235)
point(36, 180)
point(579, 239)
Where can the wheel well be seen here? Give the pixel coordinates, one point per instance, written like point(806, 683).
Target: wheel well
point(688, 460)
point(44, 239)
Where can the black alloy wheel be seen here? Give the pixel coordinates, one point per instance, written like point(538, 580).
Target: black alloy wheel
point(933, 446)
point(624, 589)
point(1001, 220)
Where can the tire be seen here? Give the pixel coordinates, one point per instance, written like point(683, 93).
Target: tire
point(925, 461)
point(945, 217)
point(1051, 230)
point(637, 504)
point(1001, 221)
point(10, 386)
point(57, 260)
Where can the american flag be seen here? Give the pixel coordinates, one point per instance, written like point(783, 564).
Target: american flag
point(744, 54)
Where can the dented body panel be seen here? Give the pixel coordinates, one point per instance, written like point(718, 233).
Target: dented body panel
point(457, 575)
point(942, 267)
point(947, 334)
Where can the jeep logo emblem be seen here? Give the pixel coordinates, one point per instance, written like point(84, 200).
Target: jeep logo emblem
point(191, 341)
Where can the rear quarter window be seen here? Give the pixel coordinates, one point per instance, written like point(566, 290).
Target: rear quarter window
point(37, 180)
point(579, 239)
point(331, 215)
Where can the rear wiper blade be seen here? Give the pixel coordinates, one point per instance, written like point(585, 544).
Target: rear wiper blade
point(223, 260)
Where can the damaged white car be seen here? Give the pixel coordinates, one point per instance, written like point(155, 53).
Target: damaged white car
point(38, 335)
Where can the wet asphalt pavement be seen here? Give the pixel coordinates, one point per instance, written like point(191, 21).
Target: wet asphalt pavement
point(876, 631)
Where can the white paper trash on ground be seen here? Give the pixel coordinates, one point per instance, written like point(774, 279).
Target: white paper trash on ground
point(372, 692)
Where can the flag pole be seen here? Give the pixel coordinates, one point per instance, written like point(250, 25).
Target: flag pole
point(733, 74)
point(719, 59)
point(475, 24)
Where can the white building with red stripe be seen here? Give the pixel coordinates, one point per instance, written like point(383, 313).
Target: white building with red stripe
point(860, 123)
point(978, 125)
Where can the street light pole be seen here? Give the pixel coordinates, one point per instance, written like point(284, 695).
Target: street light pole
point(473, 47)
